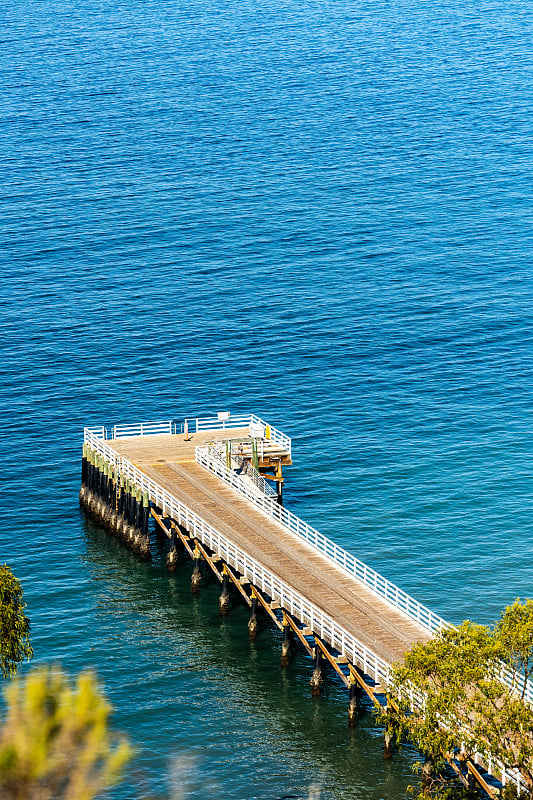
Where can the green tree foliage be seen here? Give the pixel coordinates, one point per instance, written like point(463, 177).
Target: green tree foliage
point(515, 632)
point(55, 743)
point(449, 694)
point(14, 624)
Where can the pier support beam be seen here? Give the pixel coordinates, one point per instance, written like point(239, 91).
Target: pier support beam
point(388, 742)
point(121, 495)
point(112, 519)
point(317, 678)
point(132, 533)
point(286, 643)
point(252, 622)
point(144, 513)
point(84, 470)
point(105, 509)
point(124, 527)
point(352, 703)
point(115, 502)
point(136, 521)
point(138, 510)
point(97, 499)
point(162, 534)
point(95, 477)
point(427, 771)
point(172, 555)
point(470, 779)
point(196, 577)
point(131, 505)
point(224, 600)
point(279, 483)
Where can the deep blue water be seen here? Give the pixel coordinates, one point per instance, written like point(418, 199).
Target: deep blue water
point(317, 212)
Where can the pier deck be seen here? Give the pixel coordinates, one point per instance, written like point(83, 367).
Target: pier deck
point(203, 482)
point(169, 460)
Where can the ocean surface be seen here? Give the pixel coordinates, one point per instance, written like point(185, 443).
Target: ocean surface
point(317, 212)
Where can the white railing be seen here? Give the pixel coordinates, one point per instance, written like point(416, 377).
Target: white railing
point(97, 430)
point(242, 421)
point(517, 683)
point(340, 557)
point(248, 473)
point(142, 429)
point(196, 424)
point(292, 602)
point(98, 443)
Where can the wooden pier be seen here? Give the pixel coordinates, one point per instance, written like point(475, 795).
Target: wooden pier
point(214, 489)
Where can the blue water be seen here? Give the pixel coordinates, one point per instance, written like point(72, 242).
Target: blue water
point(317, 212)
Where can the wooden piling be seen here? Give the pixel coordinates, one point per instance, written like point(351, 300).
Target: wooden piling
point(145, 513)
point(388, 742)
point(279, 483)
point(172, 555)
point(108, 499)
point(352, 704)
point(121, 510)
point(285, 643)
point(427, 771)
point(196, 577)
point(252, 622)
point(317, 678)
point(224, 599)
point(91, 483)
point(113, 502)
point(83, 488)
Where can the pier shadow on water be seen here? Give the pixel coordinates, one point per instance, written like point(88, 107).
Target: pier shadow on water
point(211, 711)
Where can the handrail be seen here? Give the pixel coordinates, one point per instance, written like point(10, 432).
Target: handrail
point(196, 424)
point(98, 444)
point(96, 430)
point(142, 429)
point(249, 472)
point(275, 434)
point(341, 558)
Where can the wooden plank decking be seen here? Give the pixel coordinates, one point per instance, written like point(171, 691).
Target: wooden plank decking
point(169, 460)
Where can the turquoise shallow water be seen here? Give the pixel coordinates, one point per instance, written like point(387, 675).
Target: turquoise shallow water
point(317, 212)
